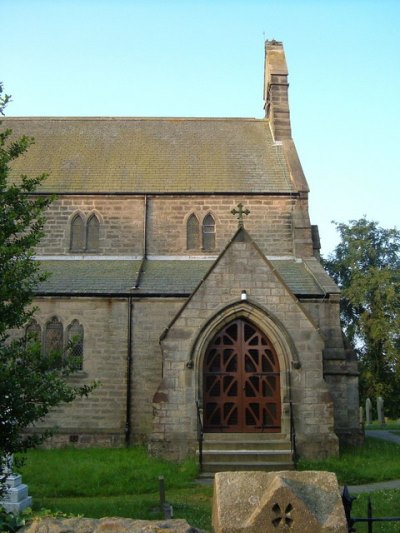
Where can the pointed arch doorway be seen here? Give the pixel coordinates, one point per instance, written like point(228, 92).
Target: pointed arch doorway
point(241, 381)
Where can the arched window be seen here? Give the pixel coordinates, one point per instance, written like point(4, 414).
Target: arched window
point(192, 233)
point(33, 331)
point(53, 339)
point(208, 233)
point(92, 234)
point(75, 341)
point(77, 234)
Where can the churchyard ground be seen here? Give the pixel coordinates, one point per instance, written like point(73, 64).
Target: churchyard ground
point(124, 482)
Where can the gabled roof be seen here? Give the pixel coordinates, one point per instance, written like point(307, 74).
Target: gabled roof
point(243, 264)
point(153, 155)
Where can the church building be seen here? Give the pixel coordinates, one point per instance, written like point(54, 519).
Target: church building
point(184, 263)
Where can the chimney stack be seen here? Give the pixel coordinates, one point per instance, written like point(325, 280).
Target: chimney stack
point(276, 90)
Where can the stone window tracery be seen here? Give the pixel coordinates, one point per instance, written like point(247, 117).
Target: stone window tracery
point(33, 331)
point(53, 338)
point(75, 342)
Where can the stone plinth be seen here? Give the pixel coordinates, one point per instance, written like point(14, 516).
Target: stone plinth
point(16, 498)
point(109, 525)
point(263, 502)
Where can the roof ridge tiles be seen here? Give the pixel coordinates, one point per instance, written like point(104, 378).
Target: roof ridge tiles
point(127, 118)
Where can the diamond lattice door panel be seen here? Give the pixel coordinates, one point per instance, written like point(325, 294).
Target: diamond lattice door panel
point(241, 381)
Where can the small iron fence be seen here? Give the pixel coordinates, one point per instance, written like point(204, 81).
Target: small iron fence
point(293, 434)
point(369, 519)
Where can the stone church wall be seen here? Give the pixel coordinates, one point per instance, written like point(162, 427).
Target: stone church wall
point(120, 217)
point(149, 318)
point(340, 368)
point(269, 222)
point(100, 418)
point(274, 223)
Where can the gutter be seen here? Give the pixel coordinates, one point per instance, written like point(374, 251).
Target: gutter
point(129, 375)
point(125, 294)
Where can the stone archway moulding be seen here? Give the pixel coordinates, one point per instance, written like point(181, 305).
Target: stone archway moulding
point(268, 323)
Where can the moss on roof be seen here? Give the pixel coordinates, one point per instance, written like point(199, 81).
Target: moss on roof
point(137, 155)
point(88, 276)
point(165, 277)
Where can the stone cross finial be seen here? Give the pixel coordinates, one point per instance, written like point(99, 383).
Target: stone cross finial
point(240, 212)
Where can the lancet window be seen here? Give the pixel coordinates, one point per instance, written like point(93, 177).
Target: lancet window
point(208, 233)
point(92, 234)
point(192, 234)
point(85, 234)
point(200, 236)
point(33, 331)
point(53, 337)
point(77, 234)
point(75, 342)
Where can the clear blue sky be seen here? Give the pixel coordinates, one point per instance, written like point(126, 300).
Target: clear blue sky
point(205, 58)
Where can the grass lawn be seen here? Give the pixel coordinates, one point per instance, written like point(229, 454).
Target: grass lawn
point(377, 460)
point(114, 482)
point(390, 424)
point(124, 482)
point(384, 503)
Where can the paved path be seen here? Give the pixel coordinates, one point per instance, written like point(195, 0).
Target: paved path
point(383, 434)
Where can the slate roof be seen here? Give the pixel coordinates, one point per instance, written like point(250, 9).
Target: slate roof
point(153, 155)
point(165, 277)
point(88, 276)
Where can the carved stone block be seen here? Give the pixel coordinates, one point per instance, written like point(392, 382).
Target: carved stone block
point(265, 502)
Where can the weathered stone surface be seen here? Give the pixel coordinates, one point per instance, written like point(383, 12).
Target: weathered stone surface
point(174, 170)
point(264, 502)
point(108, 525)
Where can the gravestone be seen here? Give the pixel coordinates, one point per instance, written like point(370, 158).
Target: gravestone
point(262, 502)
point(361, 414)
point(379, 408)
point(368, 411)
point(16, 498)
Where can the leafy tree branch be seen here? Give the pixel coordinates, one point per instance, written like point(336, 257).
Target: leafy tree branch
point(31, 382)
point(366, 266)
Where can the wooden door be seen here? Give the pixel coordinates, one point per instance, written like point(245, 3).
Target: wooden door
point(241, 381)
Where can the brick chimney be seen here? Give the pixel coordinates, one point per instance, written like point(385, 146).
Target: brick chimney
point(276, 90)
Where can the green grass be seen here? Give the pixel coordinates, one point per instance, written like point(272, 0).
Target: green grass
point(390, 424)
point(193, 504)
point(384, 503)
point(70, 472)
point(124, 482)
point(118, 482)
point(377, 460)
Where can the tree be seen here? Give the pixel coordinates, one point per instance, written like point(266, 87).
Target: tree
point(31, 382)
point(366, 266)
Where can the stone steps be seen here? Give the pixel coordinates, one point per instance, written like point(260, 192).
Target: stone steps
point(239, 451)
point(212, 468)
